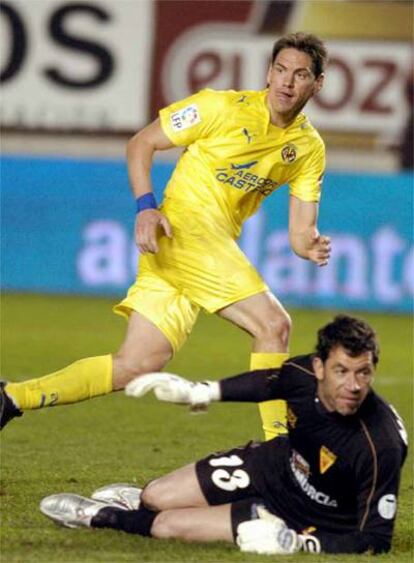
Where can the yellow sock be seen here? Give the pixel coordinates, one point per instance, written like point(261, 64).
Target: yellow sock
point(273, 413)
point(81, 380)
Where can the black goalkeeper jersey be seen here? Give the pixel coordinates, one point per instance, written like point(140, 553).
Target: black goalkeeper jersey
point(335, 476)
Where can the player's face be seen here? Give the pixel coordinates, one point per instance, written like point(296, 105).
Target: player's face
point(343, 380)
point(291, 83)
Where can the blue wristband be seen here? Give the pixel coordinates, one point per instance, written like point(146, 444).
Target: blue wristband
point(146, 201)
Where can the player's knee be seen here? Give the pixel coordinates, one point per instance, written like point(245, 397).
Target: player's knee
point(127, 366)
point(156, 495)
point(275, 327)
point(284, 327)
point(166, 526)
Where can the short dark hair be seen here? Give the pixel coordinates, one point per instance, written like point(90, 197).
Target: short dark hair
point(354, 335)
point(307, 43)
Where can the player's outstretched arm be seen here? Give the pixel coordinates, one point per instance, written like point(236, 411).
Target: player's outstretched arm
point(255, 387)
point(305, 239)
point(140, 152)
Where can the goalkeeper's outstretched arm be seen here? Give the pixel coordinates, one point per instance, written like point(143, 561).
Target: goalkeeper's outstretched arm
point(255, 387)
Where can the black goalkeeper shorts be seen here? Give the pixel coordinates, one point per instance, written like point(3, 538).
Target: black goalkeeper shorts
point(226, 478)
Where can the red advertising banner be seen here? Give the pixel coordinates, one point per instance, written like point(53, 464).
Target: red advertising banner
point(175, 22)
point(227, 44)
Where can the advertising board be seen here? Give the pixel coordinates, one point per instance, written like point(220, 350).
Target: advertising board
point(67, 227)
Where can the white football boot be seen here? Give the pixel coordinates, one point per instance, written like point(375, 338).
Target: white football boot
point(121, 495)
point(72, 511)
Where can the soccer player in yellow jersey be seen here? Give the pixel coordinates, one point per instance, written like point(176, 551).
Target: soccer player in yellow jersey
point(239, 148)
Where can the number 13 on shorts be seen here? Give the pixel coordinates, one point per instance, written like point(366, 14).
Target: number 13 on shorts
point(231, 479)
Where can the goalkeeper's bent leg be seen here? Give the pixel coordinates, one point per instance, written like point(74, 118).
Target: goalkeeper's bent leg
point(79, 381)
point(273, 413)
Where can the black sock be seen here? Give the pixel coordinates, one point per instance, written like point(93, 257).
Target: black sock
point(130, 521)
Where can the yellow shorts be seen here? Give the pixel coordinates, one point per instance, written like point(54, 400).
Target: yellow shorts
point(201, 267)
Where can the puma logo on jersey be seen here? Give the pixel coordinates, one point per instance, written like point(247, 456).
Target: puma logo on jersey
point(247, 134)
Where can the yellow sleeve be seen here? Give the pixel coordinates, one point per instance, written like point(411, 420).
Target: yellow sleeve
point(306, 186)
point(195, 117)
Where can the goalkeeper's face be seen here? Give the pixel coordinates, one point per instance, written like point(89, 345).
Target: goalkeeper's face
point(343, 380)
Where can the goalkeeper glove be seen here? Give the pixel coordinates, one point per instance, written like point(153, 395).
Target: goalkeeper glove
point(175, 389)
point(270, 535)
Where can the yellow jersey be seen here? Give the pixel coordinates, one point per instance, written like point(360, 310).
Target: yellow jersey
point(235, 157)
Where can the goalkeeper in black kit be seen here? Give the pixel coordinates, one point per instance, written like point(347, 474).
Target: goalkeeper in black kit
point(330, 486)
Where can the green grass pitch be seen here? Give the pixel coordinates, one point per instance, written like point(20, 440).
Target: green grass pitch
point(80, 447)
